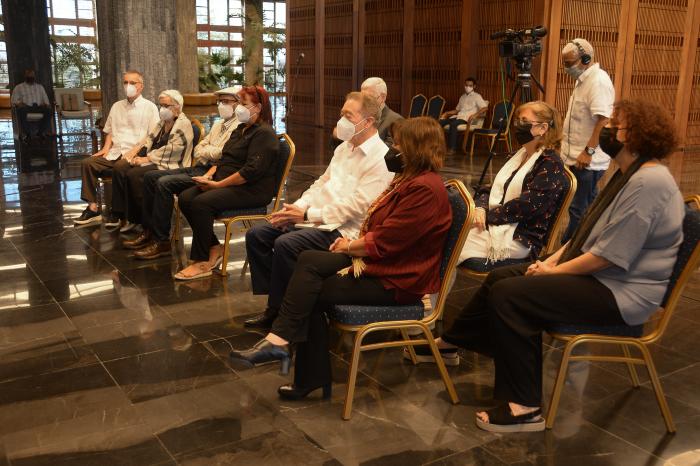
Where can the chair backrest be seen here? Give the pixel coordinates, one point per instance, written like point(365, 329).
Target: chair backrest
point(462, 215)
point(285, 158)
point(553, 238)
point(418, 103)
point(502, 114)
point(69, 99)
point(435, 106)
point(686, 263)
point(197, 131)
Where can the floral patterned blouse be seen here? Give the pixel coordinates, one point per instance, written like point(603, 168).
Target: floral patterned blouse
point(536, 208)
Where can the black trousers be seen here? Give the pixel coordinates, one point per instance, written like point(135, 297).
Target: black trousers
point(314, 287)
point(201, 208)
point(272, 254)
point(453, 132)
point(506, 317)
point(127, 190)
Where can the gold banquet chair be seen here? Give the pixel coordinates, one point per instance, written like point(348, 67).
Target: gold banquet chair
point(364, 320)
point(478, 269)
point(639, 336)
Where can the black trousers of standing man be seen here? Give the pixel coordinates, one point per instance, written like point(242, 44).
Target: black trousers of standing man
point(313, 289)
point(506, 317)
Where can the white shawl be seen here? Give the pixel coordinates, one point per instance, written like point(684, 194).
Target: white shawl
point(501, 236)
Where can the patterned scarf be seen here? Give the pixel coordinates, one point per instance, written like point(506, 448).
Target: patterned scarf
point(358, 263)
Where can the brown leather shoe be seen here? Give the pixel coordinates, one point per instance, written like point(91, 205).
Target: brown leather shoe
point(153, 250)
point(139, 242)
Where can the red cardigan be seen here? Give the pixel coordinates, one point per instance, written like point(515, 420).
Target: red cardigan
point(405, 237)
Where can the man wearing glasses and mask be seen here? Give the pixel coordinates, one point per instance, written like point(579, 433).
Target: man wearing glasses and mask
point(130, 120)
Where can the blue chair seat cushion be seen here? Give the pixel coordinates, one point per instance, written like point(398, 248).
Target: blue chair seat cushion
point(634, 331)
point(479, 264)
point(350, 314)
point(241, 212)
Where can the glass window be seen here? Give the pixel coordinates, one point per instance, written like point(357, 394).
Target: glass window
point(218, 35)
point(202, 35)
point(64, 8)
point(237, 36)
point(65, 30)
point(87, 31)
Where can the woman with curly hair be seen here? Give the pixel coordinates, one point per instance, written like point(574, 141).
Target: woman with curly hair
point(613, 271)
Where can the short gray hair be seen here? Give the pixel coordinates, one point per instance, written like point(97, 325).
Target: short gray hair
point(174, 95)
point(376, 84)
point(583, 43)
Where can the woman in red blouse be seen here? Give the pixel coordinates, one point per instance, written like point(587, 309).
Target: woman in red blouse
point(396, 260)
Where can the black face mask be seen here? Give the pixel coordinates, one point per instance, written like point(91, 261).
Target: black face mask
point(523, 132)
point(29, 79)
point(608, 141)
point(393, 161)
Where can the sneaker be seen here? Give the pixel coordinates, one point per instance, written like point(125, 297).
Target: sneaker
point(88, 217)
point(128, 226)
point(423, 354)
point(112, 222)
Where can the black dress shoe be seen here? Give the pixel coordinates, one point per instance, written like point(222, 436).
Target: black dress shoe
point(292, 392)
point(265, 352)
point(262, 320)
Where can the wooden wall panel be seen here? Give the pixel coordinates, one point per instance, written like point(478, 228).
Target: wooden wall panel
point(495, 16)
point(437, 33)
point(656, 60)
point(383, 46)
point(598, 22)
point(338, 63)
point(690, 171)
point(302, 38)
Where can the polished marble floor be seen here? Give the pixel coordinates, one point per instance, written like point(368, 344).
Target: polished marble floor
point(104, 360)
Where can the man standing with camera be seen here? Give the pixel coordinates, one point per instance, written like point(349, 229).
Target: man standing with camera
point(590, 107)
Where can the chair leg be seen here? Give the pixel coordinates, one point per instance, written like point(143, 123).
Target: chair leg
point(447, 380)
point(227, 250)
point(411, 349)
point(559, 385)
point(244, 269)
point(471, 150)
point(630, 367)
point(339, 346)
point(352, 377)
point(658, 391)
point(176, 221)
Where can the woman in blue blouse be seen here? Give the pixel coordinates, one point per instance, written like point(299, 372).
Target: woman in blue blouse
point(613, 271)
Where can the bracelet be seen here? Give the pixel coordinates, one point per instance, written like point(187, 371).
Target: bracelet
point(349, 244)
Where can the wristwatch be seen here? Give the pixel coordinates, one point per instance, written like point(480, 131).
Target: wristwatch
point(590, 150)
point(306, 215)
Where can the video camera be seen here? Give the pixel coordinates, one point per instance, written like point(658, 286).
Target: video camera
point(520, 45)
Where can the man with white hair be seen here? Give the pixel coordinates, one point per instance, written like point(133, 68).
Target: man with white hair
point(129, 121)
point(167, 147)
point(159, 186)
point(590, 107)
point(376, 87)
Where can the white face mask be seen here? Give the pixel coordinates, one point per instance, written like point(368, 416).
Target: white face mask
point(166, 114)
point(243, 114)
point(345, 129)
point(468, 89)
point(130, 90)
point(225, 111)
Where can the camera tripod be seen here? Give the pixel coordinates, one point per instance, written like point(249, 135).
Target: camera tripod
point(522, 84)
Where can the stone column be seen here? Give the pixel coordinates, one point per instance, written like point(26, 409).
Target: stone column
point(27, 38)
point(157, 38)
point(253, 42)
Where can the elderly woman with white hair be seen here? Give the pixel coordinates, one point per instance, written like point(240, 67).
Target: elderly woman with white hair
point(167, 147)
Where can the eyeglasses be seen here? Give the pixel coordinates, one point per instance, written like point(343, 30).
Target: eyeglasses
point(167, 106)
point(133, 83)
point(227, 101)
point(522, 121)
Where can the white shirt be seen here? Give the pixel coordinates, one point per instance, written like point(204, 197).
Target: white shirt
point(355, 177)
point(29, 94)
point(469, 104)
point(129, 124)
point(209, 149)
point(593, 96)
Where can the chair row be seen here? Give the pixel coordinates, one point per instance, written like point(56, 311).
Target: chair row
point(500, 120)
